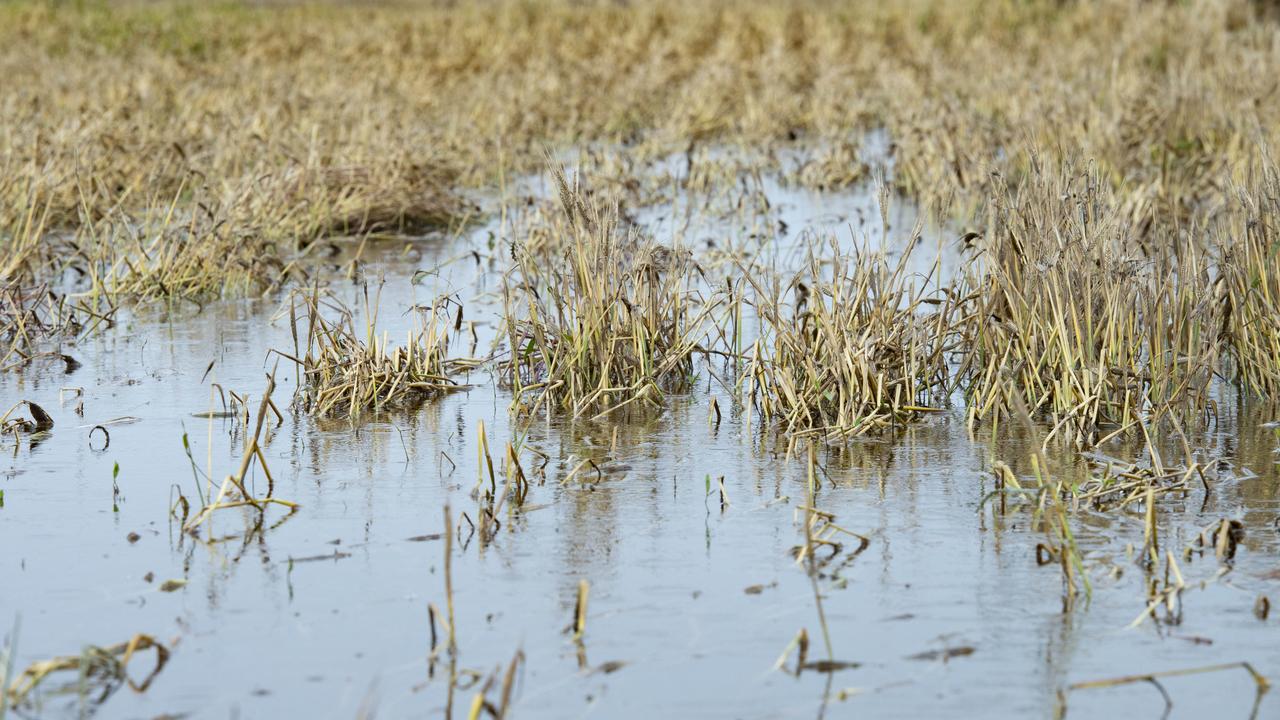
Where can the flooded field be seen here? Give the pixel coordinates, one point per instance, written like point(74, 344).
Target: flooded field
point(578, 358)
point(684, 525)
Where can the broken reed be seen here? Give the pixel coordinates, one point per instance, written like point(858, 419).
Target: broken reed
point(854, 344)
point(93, 676)
point(234, 491)
point(462, 678)
point(1260, 682)
point(348, 370)
point(600, 317)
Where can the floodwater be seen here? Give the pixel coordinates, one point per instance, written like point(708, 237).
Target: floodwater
point(324, 613)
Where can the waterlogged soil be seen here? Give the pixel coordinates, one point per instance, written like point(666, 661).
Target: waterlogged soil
point(694, 595)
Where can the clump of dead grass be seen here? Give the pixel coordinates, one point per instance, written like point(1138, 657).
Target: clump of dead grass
point(1101, 325)
point(604, 318)
point(839, 166)
point(1247, 285)
point(1070, 312)
point(398, 197)
point(855, 344)
point(348, 370)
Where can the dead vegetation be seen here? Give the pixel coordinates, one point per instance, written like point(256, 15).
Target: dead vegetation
point(1072, 313)
point(604, 318)
point(235, 490)
point(40, 421)
point(39, 325)
point(140, 139)
point(1109, 163)
point(93, 676)
point(1124, 217)
point(1102, 328)
point(348, 370)
point(853, 345)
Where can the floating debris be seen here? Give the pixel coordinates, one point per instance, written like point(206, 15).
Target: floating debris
point(100, 669)
point(944, 654)
point(40, 420)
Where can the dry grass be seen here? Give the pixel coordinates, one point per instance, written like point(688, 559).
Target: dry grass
point(1111, 157)
point(602, 318)
point(1073, 314)
point(853, 345)
point(1101, 326)
point(348, 370)
point(282, 123)
point(1248, 284)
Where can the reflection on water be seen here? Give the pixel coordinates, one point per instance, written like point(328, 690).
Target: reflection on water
point(693, 596)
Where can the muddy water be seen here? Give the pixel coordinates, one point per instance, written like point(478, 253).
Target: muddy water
point(324, 613)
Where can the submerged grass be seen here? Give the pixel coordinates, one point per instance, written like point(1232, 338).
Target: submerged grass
point(234, 491)
point(33, 321)
point(100, 671)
